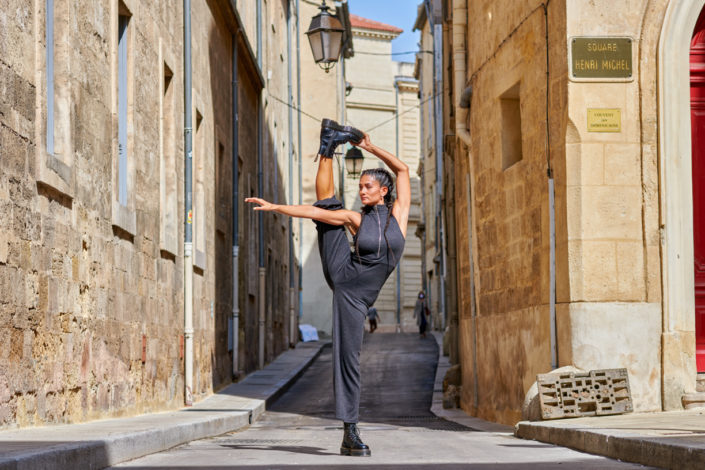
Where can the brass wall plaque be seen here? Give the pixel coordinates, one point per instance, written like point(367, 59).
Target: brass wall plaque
point(601, 58)
point(604, 120)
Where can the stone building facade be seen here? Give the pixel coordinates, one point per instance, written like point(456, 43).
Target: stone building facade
point(383, 103)
point(432, 210)
point(92, 198)
point(616, 279)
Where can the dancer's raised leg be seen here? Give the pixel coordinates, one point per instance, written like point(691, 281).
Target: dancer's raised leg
point(325, 186)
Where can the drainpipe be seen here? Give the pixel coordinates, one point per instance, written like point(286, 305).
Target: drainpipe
point(424, 272)
point(422, 122)
point(462, 108)
point(551, 210)
point(260, 190)
point(422, 174)
point(292, 309)
point(398, 276)
point(460, 20)
point(236, 216)
point(260, 219)
point(552, 263)
point(259, 33)
point(298, 102)
point(188, 233)
point(437, 32)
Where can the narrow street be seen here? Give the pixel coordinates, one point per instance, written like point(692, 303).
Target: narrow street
point(398, 376)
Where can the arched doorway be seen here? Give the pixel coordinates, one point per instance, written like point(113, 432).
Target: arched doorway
point(697, 123)
point(678, 340)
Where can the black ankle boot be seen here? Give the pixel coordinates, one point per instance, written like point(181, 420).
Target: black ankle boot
point(333, 134)
point(352, 444)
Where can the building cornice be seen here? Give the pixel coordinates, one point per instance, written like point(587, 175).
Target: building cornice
point(408, 87)
point(374, 106)
point(369, 33)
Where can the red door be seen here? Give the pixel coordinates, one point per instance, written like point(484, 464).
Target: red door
point(697, 120)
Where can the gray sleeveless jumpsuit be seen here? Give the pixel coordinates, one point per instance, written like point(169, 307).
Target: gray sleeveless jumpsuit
point(355, 284)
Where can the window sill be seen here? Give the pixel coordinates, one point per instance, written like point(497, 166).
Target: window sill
point(54, 173)
point(124, 218)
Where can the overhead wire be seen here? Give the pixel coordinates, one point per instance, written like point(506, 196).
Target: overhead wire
point(424, 101)
point(294, 107)
point(378, 125)
point(393, 53)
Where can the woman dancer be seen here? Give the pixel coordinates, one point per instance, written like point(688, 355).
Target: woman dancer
point(355, 276)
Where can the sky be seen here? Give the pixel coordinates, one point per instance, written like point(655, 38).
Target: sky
point(399, 13)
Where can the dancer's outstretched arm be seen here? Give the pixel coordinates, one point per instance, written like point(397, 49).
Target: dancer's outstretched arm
point(401, 170)
point(338, 217)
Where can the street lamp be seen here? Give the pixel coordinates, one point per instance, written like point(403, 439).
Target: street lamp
point(325, 34)
point(353, 162)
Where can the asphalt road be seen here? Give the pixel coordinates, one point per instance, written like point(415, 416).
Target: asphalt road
point(300, 430)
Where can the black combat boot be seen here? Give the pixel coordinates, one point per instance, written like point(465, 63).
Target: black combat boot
point(333, 134)
point(352, 444)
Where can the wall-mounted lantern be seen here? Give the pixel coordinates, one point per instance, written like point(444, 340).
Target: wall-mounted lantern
point(353, 162)
point(325, 34)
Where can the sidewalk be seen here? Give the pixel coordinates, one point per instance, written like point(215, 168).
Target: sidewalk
point(667, 440)
point(99, 444)
point(673, 439)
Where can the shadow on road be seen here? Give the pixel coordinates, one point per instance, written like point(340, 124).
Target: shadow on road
point(293, 449)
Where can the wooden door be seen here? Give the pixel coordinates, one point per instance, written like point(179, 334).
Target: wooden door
point(697, 116)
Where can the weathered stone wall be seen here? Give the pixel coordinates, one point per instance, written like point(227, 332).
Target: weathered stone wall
point(91, 307)
point(90, 294)
point(276, 176)
point(248, 102)
point(608, 264)
point(506, 48)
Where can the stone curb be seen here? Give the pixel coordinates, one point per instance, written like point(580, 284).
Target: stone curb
point(663, 452)
point(100, 444)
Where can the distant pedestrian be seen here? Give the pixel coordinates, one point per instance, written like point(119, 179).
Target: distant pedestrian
point(372, 315)
point(420, 313)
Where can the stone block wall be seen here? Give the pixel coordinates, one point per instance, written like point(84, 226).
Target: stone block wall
point(509, 209)
point(608, 258)
point(91, 305)
point(93, 319)
point(611, 232)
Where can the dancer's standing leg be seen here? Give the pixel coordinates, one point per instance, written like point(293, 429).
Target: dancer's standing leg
point(348, 314)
